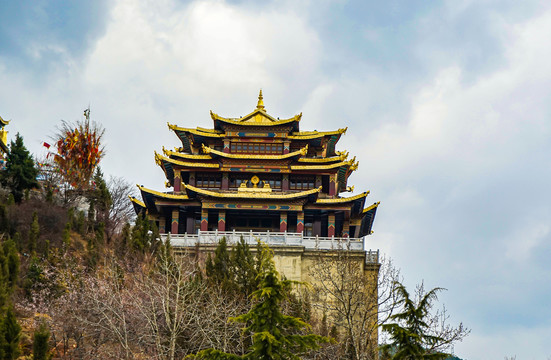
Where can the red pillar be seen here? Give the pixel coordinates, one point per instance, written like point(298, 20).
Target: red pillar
point(282, 221)
point(204, 219)
point(332, 186)
point(221, 220)
point(174, 223)
point(285, 182)
point(300, 222)
point(331, 225)
point(226, 146)
point(346, 225)
point(225, 181)
point(162, 225)
point(177, 181)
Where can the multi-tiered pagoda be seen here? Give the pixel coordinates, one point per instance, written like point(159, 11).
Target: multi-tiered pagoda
point(259, 174)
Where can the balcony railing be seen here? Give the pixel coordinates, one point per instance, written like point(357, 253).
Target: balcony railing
point(273, 239)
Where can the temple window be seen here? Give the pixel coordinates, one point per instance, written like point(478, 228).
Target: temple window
point(256, 148)
point(237, 179)
point(301, 182)
point(207, 180)
point(273, 180)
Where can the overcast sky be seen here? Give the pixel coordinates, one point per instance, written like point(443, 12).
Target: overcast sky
point(447, 105)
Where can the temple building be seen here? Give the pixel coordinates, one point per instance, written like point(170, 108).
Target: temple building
point(258, 174)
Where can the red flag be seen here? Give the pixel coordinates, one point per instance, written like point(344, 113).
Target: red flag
point(46, 145)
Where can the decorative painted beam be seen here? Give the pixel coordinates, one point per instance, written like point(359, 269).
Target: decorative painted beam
point(204, 219)
point(221, 220)
point(175, 220)
point(283, 221)
point(300, 222)
point(331, 225)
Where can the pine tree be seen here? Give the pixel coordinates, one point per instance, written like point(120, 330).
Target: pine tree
point(409, 335)
point(11, 333)
point(219, 268)
point(100, 198)
point(41, 347)
point(34, 233)
point(4, 276)
point(275, 336)
point(124, 240)
point(20, 173)
point(12, 261)
point(243, 268)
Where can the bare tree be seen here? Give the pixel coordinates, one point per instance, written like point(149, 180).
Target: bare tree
point(356, 297)
point(121, 210)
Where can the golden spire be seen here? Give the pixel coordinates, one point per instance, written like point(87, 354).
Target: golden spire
point(260, 104)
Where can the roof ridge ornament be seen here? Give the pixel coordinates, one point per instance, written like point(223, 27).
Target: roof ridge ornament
point(260, 104)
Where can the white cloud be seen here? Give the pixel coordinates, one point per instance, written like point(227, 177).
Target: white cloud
point(167, 62)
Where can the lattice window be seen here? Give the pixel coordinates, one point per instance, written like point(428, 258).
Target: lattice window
point(256, 148)
point(301, 182)
point(206, 180)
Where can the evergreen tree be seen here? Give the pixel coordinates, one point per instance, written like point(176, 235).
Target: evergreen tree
point(34, 233)
point(219, 268)
point(4, 276)
point(124, 240)
point(243, 268)
point(145, 234)
point(4, 223)
point(12, 261)
point(275, 336)
point(100, 198)
point(41, 347)
point(11, 333)
point(20, 173)
point(410, 338)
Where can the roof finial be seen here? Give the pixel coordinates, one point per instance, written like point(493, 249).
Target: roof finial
point(260, 104)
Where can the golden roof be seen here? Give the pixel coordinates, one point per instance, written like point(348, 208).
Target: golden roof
point(198, 131)
point(371, 207)
point(4, 122)
point(160, 158)
point(259, 117)
point(341, 157)
point(300, 152)
point(186, 156)
point(352, 163)
point(163, 195)
point(136, 201)
point(306, 135)
point(342, 200)
point(252, 195)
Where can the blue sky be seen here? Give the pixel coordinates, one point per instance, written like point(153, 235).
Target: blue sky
point(447, 103)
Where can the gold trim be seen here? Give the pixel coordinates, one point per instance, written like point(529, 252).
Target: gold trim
point(159, 158)
point(256, 118)
point(341, 157)
point(186, 156)
point(342, 200)
point(307, 135)
point(136, 201)
point(352, 163)
point(163, 195)
point(371, 207)
point(4, 122)
point(300, 152)
point(214, 131)
point(195, 131)
point(252, 195)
